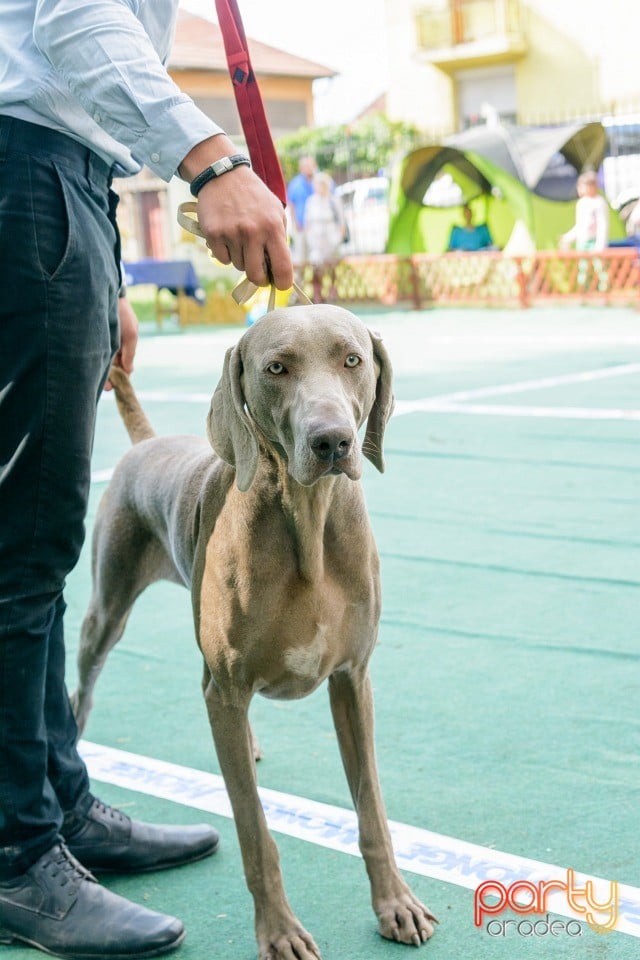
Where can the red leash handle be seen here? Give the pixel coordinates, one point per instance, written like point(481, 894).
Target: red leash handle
point(262, 151)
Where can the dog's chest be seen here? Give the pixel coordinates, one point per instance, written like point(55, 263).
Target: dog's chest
point(288, 670)
point(268, 628)
point(313, 631)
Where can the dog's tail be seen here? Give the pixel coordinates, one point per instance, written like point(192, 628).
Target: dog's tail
point(134, 417)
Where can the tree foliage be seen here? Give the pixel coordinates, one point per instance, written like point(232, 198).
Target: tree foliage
point(362, 149)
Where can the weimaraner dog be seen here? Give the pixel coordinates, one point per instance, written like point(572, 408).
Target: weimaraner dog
point(271, 535)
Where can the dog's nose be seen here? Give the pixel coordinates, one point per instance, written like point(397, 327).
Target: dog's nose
point(331, 444)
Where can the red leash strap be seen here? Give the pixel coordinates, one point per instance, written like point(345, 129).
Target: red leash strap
point(262, 151)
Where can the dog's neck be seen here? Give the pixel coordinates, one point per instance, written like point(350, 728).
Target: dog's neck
point(306, 512)
point(307, 508)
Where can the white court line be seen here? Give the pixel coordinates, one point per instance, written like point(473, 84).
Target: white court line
point(426, 403)
point(508, 410)
point(548, 340)
point(457, 402)
point(520, 386)
point(164, 396)
point(460, 396)
point(585, 376)
point(101, 476)
point(418, 851)
point(432, 405)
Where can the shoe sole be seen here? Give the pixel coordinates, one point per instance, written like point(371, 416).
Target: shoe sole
point(7, 938)
point(167, 865)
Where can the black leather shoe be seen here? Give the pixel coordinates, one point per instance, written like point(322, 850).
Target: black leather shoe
point(106, 839)
point(59, 907)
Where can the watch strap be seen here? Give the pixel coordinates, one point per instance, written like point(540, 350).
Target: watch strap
point(217, 169)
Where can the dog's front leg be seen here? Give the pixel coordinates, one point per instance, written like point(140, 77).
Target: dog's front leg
point(280, 936)
point(400, 914)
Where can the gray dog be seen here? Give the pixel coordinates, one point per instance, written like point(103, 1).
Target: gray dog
point(271, 535)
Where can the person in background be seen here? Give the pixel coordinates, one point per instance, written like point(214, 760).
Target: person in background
point(324, 231)
point(470, 237)
point(299, 190)
point(84, 95)
point(591, 229)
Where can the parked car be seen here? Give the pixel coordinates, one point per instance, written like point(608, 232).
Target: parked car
point(366, 214)
point(627, 204)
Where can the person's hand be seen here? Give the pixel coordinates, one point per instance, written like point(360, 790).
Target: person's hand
point(128, 338)
point(243, 221)
point(244, 224)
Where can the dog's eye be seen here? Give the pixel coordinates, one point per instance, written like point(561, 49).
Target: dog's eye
point(352, 360)
point(276, 368)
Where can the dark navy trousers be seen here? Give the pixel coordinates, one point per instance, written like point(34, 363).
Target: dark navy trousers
point(58, 332)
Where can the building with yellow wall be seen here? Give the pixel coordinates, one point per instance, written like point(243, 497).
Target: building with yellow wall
point(534, 61)
point(455, 63)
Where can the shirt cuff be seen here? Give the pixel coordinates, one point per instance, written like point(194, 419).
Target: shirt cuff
point(164, 147)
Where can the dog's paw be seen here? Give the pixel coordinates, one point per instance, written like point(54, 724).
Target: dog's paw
point(404, 919)
point(292, 942)
point(299, 946)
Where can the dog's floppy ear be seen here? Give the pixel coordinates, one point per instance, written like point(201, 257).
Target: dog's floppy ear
point(229, 429)
point(382, 407)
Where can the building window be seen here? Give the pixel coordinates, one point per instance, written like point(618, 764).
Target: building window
point(484, 92)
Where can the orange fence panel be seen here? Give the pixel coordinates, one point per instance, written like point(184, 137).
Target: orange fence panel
point(491, 279)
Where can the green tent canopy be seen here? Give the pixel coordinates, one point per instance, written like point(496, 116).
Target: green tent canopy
point(506, 174)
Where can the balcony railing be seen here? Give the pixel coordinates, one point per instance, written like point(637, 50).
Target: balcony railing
point(471, 30)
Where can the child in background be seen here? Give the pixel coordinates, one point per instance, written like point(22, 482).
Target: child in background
point(591, 229)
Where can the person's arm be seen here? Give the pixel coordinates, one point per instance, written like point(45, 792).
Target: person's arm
point(128, 337)
point(294, 195)
point(104, 53)
point(244, 222)
point(569, 238)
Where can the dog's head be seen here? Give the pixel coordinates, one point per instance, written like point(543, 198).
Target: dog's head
point(304, 379)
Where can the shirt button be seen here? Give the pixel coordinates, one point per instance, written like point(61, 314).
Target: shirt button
point(97, 117)
point(155, 157)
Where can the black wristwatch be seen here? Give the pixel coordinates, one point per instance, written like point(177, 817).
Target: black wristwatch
point(216, 169)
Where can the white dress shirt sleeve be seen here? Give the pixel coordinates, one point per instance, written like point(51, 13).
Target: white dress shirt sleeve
point(103, 52)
